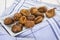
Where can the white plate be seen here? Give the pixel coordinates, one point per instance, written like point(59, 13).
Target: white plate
point(8, 27)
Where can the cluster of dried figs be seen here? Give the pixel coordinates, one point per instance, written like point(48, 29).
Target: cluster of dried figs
point(28, 18)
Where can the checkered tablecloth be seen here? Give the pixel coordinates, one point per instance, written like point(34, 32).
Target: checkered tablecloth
point(47, 30)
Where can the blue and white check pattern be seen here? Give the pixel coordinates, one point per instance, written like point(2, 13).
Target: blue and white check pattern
point(47, 30)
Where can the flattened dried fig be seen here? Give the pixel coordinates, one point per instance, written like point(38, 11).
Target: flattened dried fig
point(17, 16)
point(22, 20)
point(33, 10)
point(8, 21)
point(42, 9)
point(38, 19)
point(39, 14)
point(50, 13)
point(29, 24)
point(25, 12)
point(17, 28)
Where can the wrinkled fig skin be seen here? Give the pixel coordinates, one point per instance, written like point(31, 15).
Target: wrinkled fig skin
point(17, 28)
point(19, 24)
point(8, 21)
point(25, 12)
point(22, 20)
point(50, 13)
point(39, 14)
point(29, 24)
point(38, 19)
point(33, 10)
point(17, 16)
point(42, 9)
point(31, 17)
